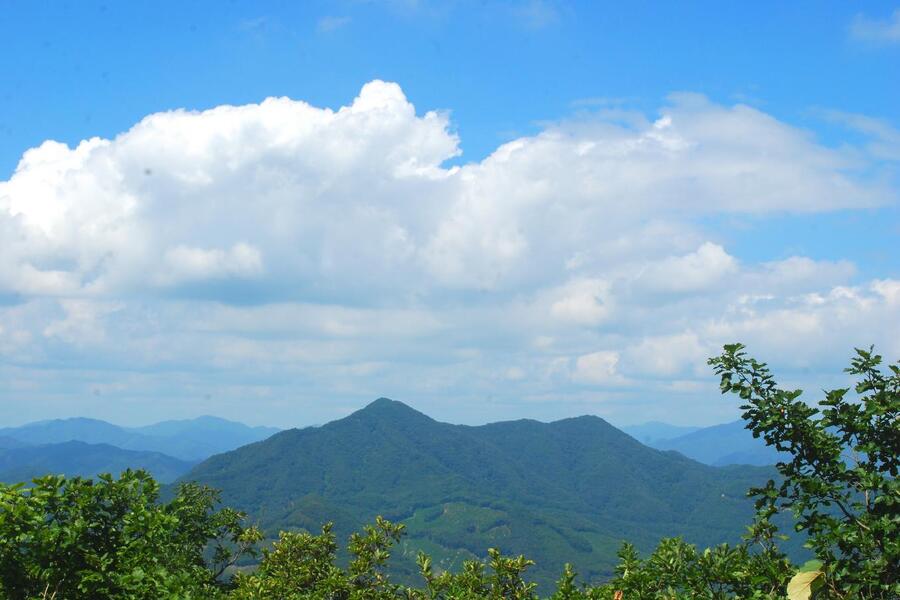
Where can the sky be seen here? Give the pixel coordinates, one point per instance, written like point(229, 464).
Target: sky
point(276, 212)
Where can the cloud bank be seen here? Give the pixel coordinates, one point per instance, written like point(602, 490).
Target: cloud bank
point(292, 261)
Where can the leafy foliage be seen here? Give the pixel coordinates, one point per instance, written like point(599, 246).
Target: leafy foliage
point(81, 539)
point(841, 477)
point(303, 566)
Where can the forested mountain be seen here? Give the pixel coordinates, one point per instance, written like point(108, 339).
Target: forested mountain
point(86, 460)
point(190, 440)
point(571, 490)
point(719, 445)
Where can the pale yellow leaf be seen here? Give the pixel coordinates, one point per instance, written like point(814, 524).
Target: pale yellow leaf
point(801, 585)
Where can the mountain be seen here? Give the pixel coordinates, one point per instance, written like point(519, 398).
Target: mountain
point(205, 436)
point(726, 444)
point(8, 442)
point(654, 431)
point(91, 431)
point(190, 440)
point(86, 460)
point(568, 491)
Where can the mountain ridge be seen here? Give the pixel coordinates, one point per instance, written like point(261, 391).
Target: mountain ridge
point(186, 440)
point(575, 487)
point(75, 458)
point(724, 444)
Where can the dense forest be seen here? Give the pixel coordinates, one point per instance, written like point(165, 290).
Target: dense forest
point(560, 492)
point(74, 538)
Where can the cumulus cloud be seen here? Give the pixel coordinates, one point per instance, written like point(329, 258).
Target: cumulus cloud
point(583, 302)
point(599, 368)
point(337, 250)
point(669, 355)
point(698, 271)
point(184, 263)
point(320, 198)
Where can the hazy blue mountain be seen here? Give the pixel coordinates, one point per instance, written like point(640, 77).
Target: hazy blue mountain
point(192, 439)
point(86, 460)
point(8, 442)
point(91, 431)
point(726, 444)
point(207, 423)
point(654, 431)
point(571, 490)
point(205, 436)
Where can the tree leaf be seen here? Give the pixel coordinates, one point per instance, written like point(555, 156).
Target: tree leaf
point(802, 585)
point(811, 565)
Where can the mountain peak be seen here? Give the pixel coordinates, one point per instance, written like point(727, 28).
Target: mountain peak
point(390, 409)
point(383, 402)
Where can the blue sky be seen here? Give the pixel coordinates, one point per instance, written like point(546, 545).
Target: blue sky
point(674, 175)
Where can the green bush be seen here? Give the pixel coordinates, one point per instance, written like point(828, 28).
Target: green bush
point(74, 539)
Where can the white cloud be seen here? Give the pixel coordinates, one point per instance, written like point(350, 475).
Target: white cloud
point(184, 263)
point(598, 368)
point(816, 328)
point(280, 244)
point(357, 198)
point(796, 274)
point(583, 302)
point(889, 290)
point(884, 139)
point(880, 31)
point(698, 271)
point(669, 355)
point(83, 323)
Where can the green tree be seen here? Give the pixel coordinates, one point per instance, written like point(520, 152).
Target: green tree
point(500, 578)
point(78, 539)
point(302, 566)
point(840, 480)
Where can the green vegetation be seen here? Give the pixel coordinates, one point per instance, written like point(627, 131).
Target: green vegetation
point(77, 539)
point(112, 538)
point(569, 491)
point(841, 478)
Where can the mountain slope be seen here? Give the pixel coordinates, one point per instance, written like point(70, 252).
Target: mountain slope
point(564, 491)
point(726, 444)
point(86, 460)
point(8, 442)
point(191, 440)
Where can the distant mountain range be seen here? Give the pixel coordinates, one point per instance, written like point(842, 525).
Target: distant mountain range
point(85, 460)
point(654, 431)
point(719, 445)
point(571, 490)
point(88, 447)
point(187, 440)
